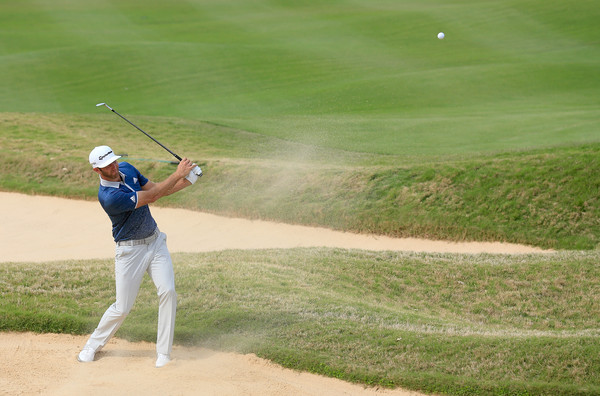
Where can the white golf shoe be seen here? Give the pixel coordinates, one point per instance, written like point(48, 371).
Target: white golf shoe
point(86, 355)
point(162, 360)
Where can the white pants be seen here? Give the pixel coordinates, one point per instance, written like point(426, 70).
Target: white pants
point(131, 262)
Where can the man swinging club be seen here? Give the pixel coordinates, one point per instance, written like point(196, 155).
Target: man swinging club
point(124, 194)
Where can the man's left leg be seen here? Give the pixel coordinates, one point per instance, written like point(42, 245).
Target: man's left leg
point(162, 274)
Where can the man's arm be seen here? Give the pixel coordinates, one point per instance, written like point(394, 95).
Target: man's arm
point(180, 185)
point(151, 192)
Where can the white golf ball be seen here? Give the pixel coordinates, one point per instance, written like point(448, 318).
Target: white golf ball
point(441, 35)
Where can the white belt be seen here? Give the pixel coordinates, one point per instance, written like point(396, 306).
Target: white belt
point(145, 241)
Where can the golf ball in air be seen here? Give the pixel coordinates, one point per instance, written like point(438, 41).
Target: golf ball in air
point(441, 35)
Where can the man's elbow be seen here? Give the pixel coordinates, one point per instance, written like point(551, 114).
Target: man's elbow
point(147, 197)
point(152, 199)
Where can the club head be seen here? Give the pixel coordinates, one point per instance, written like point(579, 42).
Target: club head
point(104, 104)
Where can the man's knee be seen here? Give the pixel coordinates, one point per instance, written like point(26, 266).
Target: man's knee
point(167, 293)
point(119, 311)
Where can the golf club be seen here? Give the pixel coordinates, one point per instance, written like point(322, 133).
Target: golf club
point(196, 170)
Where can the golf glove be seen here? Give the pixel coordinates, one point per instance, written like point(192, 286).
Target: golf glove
point(197, 171)
point(194, 174)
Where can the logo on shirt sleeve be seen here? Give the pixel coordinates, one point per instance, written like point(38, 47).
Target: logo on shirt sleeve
point(135, 180)
point(132, 198)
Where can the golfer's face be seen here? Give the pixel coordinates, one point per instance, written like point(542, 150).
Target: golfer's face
point(110, 172)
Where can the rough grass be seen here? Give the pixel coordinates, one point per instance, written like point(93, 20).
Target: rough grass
point(543, 197)
point(456, 324)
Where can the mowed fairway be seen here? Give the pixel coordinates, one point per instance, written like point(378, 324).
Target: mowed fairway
point(367, 76)
point(346, 114)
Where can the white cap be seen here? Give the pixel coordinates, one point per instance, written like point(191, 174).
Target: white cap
point(102, 156)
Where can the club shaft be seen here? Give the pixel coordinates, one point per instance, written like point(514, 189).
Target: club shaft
point(140, 129)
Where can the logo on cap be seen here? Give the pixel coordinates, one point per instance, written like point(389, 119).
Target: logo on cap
point(104, 156)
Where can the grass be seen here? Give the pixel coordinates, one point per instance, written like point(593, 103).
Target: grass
point(543, 197)
point(349, 115)
point(456, 324)
point(343, 114)
point(366, 76)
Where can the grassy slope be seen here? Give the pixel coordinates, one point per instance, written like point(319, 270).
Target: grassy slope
point(545, 197)
point(457, 324)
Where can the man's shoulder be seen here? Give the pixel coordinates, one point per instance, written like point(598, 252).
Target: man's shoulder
point(129, 170)
point(132, 174)
point(126, 166)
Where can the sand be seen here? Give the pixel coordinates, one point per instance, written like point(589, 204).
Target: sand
point(45, 364)
point(39, 229)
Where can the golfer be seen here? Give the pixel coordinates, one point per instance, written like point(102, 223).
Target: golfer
point(124, 194)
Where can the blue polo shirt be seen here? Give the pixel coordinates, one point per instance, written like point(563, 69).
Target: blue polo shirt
point(118, 199)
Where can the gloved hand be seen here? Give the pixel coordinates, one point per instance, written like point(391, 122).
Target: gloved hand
point(197, 171)
point(194, 174)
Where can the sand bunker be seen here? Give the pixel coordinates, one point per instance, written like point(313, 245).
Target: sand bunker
point(38, 229)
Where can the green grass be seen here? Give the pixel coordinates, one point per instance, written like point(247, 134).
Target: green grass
point(543, 197)
point(347, 114)
point(367, 76)
point(456, 324)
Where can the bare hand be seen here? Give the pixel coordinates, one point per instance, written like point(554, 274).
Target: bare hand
point(184, 167)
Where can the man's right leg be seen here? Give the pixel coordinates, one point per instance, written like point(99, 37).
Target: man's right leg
point(130, 266)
